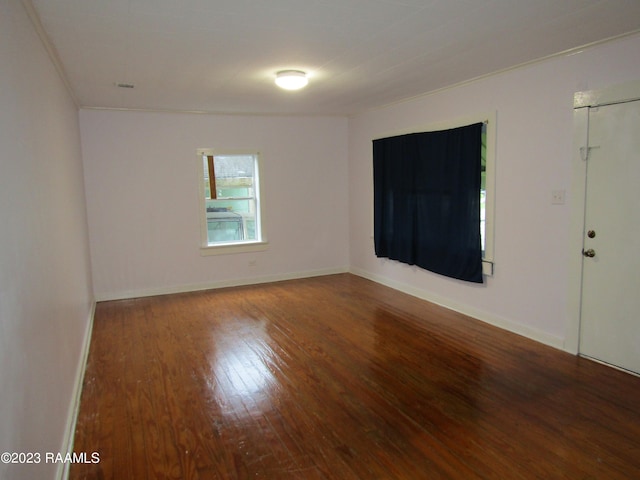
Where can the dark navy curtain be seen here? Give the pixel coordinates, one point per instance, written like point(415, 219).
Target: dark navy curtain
point(427, 200)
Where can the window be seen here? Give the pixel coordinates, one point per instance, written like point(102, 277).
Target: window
point(487, 191)
point(230, 199)
point(483, 188)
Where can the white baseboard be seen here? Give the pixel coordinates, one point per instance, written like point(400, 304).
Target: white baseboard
point(62, 472)
point(222, 284)
point(505, 324)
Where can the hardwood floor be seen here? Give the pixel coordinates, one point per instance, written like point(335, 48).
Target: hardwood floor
point(340, 378)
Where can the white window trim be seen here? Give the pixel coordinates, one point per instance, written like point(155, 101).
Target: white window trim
point(232, 247)
point(490, 118)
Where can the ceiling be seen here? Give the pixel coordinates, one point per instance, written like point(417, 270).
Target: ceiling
point(222, 55)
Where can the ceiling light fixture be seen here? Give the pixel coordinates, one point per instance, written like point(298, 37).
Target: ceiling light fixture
point(291, 79)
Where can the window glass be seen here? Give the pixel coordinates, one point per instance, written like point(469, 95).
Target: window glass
point(483, 188)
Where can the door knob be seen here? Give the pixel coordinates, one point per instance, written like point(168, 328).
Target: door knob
point(589, 253)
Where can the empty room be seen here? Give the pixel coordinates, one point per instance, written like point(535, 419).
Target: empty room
point(386, 268)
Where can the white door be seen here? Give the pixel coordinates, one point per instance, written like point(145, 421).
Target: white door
point(610, 313)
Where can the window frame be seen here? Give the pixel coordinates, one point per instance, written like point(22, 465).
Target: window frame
point(490, 120)
point(242, 246)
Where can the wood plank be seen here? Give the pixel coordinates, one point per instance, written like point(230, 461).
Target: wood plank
point(341, 378)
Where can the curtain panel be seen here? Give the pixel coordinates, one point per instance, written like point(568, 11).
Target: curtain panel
point(427, 200)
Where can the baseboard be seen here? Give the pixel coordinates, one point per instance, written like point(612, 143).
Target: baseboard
point(222, 284)
point(505, 324)
point(62, 472)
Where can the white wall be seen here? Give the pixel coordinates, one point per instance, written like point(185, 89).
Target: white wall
point(141, 173)
point(45, 293)
point(528, 293)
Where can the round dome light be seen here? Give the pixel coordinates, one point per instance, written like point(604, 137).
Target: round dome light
point(291, 79)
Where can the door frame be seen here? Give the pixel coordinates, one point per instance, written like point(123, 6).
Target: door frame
point(582, 101)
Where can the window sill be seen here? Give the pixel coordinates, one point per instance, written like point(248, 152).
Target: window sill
point(226, 249)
